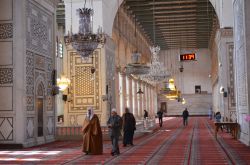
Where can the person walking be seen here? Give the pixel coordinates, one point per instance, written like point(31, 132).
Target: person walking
point(92, 134)
point(185, 115)
point(129, 126)
point(114, 124)
point(160, 115)
point(145, 114)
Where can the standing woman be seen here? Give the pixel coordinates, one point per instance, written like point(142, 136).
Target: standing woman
point(92, 134)
point(145, 114)
point(128, 127)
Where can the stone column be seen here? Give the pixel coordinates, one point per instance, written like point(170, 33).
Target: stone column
point(224, 40)
point(135, 99)
point(155, 102)
point(139, 101)
point(142, 98)
point(242, 62)
point(152, 102)
point(147, 97)
point(117, 93)
point(149, 101)
point(106, 80)
point(130, 97)
point(124, 92)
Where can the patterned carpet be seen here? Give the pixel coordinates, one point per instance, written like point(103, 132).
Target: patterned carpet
point(171, 144)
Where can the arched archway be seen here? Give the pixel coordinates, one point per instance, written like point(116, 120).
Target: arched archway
point(217, 5)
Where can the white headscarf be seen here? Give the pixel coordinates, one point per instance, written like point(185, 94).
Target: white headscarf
point(113, 110)
point(91, 114)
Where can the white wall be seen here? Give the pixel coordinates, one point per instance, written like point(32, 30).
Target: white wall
point(195, 72)
point(224, 11)
point(197, 104)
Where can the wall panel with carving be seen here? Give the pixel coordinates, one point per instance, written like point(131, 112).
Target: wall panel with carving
point(241, 60)
point(6, 71)
point(84, 90)
point(231, 73)
point(6, 129)
point(39, 29)
point(39, 66)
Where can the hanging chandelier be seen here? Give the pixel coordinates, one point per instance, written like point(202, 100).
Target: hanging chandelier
point(85, 41)
point(157, 72)
point(136, 67)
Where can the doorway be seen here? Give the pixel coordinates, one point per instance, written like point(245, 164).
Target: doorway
point(40, 110)
point(164, 107)
point(39, 117)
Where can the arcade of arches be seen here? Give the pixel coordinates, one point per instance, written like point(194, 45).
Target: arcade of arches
point(32, 31)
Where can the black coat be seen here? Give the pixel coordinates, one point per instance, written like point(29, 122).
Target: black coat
point(160, 114)
point(185, 114)
point(128, 122)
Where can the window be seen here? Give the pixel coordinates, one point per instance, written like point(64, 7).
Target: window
point(59, 48)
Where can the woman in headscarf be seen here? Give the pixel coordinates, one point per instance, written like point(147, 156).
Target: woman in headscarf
point(92, 134)
point(129, 124)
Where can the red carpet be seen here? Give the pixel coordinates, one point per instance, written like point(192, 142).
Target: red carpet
point(172, 144)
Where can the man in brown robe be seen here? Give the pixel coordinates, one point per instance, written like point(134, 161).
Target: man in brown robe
point(92, 134)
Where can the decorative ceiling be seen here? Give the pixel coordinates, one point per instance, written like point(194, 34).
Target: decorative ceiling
point(174, 23)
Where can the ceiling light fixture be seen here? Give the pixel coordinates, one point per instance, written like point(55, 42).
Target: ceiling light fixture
point(85, 41)
point(136, 67)
point(157, 72)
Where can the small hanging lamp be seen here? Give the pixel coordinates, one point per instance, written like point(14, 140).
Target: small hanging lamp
point(140, 91)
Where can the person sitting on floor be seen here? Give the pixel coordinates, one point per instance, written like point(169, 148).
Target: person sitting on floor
point(218, 119)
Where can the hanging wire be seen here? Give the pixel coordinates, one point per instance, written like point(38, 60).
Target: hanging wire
point(92, 21)
point(118, 26)
point(154, 20)
point(207, 23)
point(118, 18)
point(71, 22)
point(135, 36)
point(180, 38)
point(84, 3)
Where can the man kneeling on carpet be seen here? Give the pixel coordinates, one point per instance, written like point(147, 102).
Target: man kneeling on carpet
point(92, 134)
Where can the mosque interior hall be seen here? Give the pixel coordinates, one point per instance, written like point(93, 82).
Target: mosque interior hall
point(64, 61)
